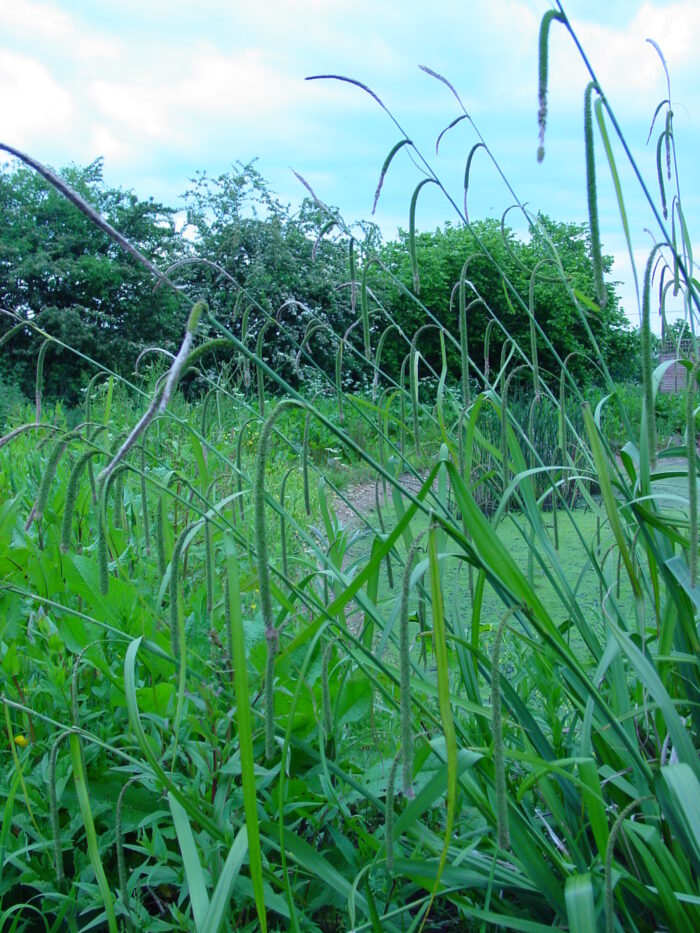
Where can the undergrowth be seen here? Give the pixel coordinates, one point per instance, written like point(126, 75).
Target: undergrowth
point(473, 706)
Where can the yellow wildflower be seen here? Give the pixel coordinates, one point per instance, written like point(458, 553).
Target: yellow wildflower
point(21, 741)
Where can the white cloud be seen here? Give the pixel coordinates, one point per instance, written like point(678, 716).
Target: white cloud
point(46, 25)
point(162, 88)
point(36, 21)
point(628, 68)
point(34, 104)
point(169, 104)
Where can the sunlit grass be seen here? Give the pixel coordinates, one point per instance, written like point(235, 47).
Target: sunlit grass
point(230, 704)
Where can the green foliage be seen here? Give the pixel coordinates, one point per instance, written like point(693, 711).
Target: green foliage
point(236, 699)
point(255, 261)
point(65, 276)
point(440, 257)
point(272, 258)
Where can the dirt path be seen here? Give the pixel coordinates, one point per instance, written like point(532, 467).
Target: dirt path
point(363, 496)
point(363, 499)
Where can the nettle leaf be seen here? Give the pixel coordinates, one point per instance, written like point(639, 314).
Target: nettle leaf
point(156, 699)
point(354, 701)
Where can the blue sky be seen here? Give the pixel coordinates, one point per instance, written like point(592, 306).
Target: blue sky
point(164, 89)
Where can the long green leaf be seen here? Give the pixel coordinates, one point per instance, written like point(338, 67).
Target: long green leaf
point(443, 677)
point(199, 898)
point(245, 732)
point(600, 119)
point(227, 879)
point(678, 789)
point(580, 903)
point(609, 500)
point(76, 757)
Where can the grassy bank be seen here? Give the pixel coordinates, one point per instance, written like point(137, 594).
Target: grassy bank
point(226, 708)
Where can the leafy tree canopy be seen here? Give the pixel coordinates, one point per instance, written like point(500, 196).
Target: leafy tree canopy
point(441, 257)
point(276, 263)
point(58, 270)
point(264, 263)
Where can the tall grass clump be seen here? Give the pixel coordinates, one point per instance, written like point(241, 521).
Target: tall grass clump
point(251, 680)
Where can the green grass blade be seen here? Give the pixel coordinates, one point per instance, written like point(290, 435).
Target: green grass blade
point(648, 675)
point(222, 893)
point(444, 700)
point(7, 816)
point(245, 732)
point(609, 500)
point(580, 903)
point(600, 118)
point(199, 898)
point(594, 803)
point(76, 758)
point(194, 812)
point(678, 789)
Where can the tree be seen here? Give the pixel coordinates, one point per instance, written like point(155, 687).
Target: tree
point(492, 253)
point(58, 270)
point(271, 258)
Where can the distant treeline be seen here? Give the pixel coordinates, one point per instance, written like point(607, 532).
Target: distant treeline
point(65, 275)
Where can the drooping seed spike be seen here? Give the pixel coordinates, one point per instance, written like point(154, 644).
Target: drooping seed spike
point(326, 690)
point(389, 813)
point(412, 232)
point(319, 239)
point(209, 566)
point(175, 645)
point(261, 375)
point(204, 349)
point(378, 358)
point(592, 195)
point(467, 172)
point(119, 844)
point(102, 547)
point(364, 308)
point(71, 497)
point(610, 924)
point(543, 75)
point(353, 273)
point(402, 402)
point(463, 335)
point(39, 386)
point(647, 366)
point(414, 360)
point(47, 478)
point(674, 248)
point(534, 355)
point(339, 379)
point(660, 175)
point(144, 500)
point(119, 483)
point(283, 522)
point(102, 542)
point(385, 168)
point(160, 537)
point(487, 347)
point(198, 309)
point(239, 467)
point(505, 454)
point(305, 464)
point(9, 334)
point(53, 810)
